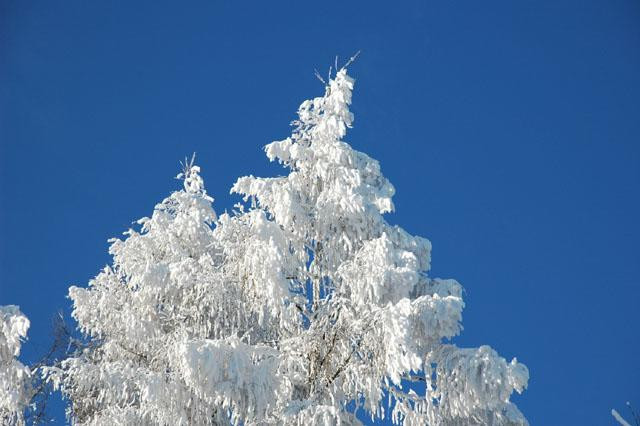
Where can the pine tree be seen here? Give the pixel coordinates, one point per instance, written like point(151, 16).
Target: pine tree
point(302, 306)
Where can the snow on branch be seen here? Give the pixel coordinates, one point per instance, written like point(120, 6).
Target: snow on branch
point(15, 378)
point(302, 306)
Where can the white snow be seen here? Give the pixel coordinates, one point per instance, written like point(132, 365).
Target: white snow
point(283, 311)
point(15, 385)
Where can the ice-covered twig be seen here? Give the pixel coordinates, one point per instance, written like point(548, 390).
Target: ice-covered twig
point(619, 418)
point(352, 59)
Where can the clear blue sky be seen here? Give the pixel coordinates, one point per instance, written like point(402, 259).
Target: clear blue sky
point(510, 129)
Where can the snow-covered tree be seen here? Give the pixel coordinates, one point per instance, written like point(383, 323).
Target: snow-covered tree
point(15, 378)
point(302, 306)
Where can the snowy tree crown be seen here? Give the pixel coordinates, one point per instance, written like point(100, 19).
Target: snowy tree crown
point(304, 307)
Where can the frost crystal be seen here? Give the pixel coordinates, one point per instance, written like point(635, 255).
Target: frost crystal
point(306, 307)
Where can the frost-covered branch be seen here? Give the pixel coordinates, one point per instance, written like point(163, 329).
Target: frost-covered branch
point(15, 378)
point(291, 309)
point(634, 415)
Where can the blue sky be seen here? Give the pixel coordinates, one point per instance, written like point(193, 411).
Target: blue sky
point(511, 131)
